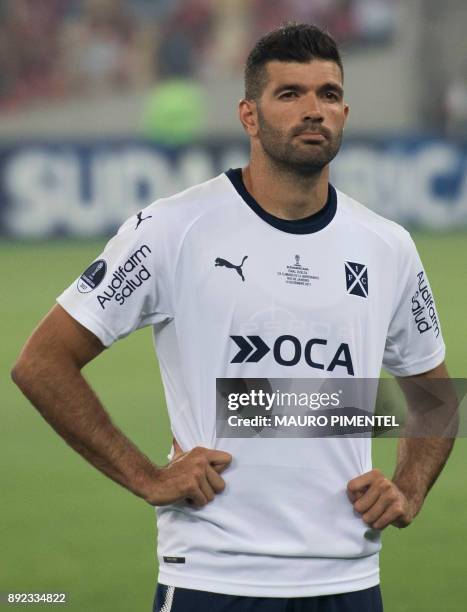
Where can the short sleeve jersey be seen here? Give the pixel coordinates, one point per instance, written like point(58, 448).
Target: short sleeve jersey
point(209, 266)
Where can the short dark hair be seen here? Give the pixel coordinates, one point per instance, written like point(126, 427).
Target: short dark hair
point(292, 42)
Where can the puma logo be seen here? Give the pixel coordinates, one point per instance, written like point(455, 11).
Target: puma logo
point(227, 264)
point(140, 219)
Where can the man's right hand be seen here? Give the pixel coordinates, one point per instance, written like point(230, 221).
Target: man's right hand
point(48, 372)
point(193, 476)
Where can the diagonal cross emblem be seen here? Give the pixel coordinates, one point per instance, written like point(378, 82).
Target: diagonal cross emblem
point(356, 278)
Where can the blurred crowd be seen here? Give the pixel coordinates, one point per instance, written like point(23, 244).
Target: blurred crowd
point(61, 48)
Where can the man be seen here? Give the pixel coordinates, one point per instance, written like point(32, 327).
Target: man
point(253, 523)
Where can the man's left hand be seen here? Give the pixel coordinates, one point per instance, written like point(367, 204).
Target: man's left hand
point(380, 501)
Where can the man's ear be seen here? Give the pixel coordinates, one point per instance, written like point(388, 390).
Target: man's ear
point(248, 115)
point(346, 112)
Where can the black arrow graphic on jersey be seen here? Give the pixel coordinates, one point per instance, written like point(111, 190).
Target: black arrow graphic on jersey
point(140, 219)
point(223, 262)
point(245, 349)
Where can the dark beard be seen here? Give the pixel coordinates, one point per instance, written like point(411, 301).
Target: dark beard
point(301, 161)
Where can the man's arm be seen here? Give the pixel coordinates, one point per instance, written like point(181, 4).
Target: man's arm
point(48, 372)
point(420, 460)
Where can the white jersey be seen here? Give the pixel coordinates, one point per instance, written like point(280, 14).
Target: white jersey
point(208, 267)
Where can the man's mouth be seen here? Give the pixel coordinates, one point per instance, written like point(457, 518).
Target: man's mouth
point(315, 136)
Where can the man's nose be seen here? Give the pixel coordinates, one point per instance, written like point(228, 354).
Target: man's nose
point(312, 108)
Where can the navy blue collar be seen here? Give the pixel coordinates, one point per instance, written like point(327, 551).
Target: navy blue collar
point(307, 225)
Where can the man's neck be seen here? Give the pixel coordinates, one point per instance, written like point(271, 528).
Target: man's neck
point(285, 194)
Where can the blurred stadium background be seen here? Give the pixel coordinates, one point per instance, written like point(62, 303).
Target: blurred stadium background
point(106, 105)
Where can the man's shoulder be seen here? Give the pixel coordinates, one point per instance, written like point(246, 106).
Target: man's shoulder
point(174, 214)
point(195, 199)
point(368, 220)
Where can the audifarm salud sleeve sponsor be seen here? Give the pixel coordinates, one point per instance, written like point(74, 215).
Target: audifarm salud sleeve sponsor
point(127, 278)
point(423, 307)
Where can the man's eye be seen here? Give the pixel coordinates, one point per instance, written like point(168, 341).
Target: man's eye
point(288, 94)
point(331, 95)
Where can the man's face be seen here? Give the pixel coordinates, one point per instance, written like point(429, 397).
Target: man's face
point(301, 114)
